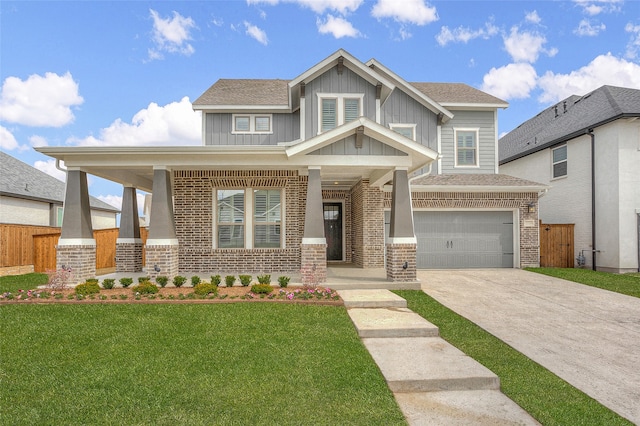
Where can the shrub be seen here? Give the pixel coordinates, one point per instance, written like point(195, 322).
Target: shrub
point(245, 280)
point(145, 287)
point(87, 288)
point(143, 279)
point(195, 280)
point(108, 283)
point(264, 279)
point(178, 280)
point(215, 279)
point(261, 288)
point(162, 280)
point(229, 280)
point(283, 281)
point(126, 282)
point(92, 280)
point(203, 289)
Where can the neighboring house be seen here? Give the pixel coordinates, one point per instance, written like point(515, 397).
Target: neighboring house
point(293, 174)
point(31, 197)
point(587, 148)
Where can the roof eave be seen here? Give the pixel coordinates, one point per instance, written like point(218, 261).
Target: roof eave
point(477, 188)
point(243, 108)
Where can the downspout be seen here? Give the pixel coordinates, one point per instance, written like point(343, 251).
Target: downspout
point(593, 198)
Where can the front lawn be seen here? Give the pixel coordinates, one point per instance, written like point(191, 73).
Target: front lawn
point(628, 284)
point(168, 364)
point(548, 398)
point(13, 283)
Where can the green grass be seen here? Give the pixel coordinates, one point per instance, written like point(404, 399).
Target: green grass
point(549, 399)
point(165, 364)
point(628, 284)
point(13, 283)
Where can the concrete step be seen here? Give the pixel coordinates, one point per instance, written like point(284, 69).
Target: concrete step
point(428, 364)
point(478, 408)
point(391, 322)
point(371, 299)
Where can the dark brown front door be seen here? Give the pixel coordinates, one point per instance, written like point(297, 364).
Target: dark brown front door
point(333, 230)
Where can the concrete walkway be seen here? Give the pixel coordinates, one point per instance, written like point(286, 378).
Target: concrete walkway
point(587, 336)
point(433, 382)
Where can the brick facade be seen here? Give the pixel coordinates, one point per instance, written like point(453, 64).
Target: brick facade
point(313, 268)
point(165, 257)
point(367, 216)
point(397, 256)
point(80, 259)
point(129, 257)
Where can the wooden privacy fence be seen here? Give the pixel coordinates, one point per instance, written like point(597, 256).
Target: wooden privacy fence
point(16, 243)
point(556, 245)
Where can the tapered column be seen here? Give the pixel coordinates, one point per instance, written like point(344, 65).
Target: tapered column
point(313, 250)
point(402, 244)
point(76, 249)
point(129, 243)
point(162, 243)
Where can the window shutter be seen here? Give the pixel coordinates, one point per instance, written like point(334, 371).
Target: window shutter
point(328, 114)
point(351, 109)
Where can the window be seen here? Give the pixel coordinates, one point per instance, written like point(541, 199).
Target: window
point(260, 228)
point(230, 218)
point(266, 219)
point(406, 130)
point(252, 123)
point(59, 214)
point(559, 161)
point(466, 148)
point(338, 109)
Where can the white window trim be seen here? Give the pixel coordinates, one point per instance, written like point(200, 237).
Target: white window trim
point(339, 97)
point(476, 130)
point(248, 219)
point(553, 163)
point(413, 127)
point(252, 124)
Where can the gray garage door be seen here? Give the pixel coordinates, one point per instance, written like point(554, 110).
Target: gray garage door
point(463, 239)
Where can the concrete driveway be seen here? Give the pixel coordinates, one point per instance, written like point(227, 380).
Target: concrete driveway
point(587, 336)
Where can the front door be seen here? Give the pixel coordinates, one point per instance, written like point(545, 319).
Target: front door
point(333, 230)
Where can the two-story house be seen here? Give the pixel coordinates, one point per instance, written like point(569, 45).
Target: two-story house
point(347, 162)
point(587, 148)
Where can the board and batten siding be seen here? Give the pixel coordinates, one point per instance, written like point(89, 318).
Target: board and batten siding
point(332, 82)
point(400, 108)
point(482, 120)
point(218, 128)
point(347, 146)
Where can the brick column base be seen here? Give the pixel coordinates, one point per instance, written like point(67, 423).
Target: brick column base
point(397, 256)
point(313, 264)
point(79, 260)
point(165, 257)
point(129, 256)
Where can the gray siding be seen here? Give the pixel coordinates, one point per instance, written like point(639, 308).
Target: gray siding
point(218, 127)
point(484, 120)
point(347, 146)
point(331, 82)
point(400, 108)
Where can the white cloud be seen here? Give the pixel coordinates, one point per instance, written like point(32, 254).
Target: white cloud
point(256, 33)
point(513, 81)
point(218, 22)
point(526, 46)
point(49, 167)
point(318, 6)
point(37, 141)
point(585, 28)
point(171, 35)
point(8, 142)
point(337, 26)
point(463, 35)
point(173, 124)
point(604, 69)
point(596, 7)
point(39, 101)
point(533, 17)
point(112, 200)
point(416, 12)
point(634, 42)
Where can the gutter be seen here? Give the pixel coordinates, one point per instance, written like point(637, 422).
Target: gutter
point(593, 198)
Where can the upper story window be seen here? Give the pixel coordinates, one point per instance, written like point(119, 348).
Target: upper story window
point(466, 151)
point(559, 161)
point(337, 109)
point(406, 130)
point(252, 123)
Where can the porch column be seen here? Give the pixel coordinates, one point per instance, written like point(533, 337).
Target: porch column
point(402, 243)
point(129, 243)
point(162, 243)
point(313, 250)
point(76, 249)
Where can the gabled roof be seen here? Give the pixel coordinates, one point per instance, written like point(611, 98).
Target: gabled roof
point(240, 92)
point(458, 95)
point(475, 183)
point(20, 180)
point(568, 119)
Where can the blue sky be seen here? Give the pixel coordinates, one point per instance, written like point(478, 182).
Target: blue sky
point(124, 72)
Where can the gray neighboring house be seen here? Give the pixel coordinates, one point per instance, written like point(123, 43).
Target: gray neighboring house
point(31, 197)
point(587, 149)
